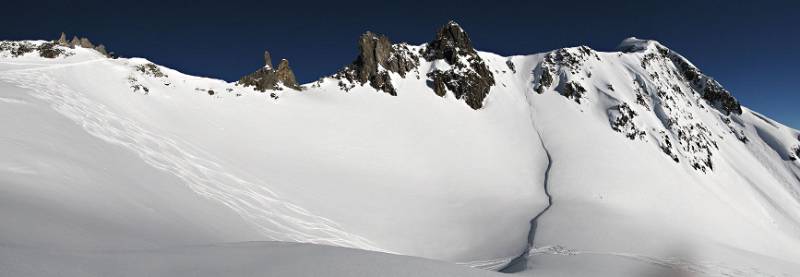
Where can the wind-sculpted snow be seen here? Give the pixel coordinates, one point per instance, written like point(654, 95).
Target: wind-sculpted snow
point(277, 218)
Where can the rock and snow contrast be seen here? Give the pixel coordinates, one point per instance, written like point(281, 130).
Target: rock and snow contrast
point(573, 162)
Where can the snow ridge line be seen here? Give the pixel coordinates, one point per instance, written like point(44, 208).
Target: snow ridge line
point(275, 217)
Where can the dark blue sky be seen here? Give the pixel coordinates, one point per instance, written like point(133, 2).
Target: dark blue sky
point(752, 48)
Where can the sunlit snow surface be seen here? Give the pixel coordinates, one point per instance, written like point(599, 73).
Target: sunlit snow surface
point(93, 172)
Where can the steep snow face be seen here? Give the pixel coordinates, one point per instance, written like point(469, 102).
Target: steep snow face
point(648, 162)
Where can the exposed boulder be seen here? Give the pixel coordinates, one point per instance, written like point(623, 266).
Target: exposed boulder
point(267, 78)
point(377, 57)
point(469, 78)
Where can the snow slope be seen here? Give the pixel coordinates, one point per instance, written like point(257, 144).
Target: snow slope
point(626, 165)
point(319, 166)
point(234, 259)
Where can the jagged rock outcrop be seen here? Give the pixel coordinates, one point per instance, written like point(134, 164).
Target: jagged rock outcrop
point(102, 49)
point(377, 58)
point(49, 50)
point(267, 60)
point(267, 78)
point(85, 43)
point(81, 42)
point(621, 117)
point(671, 87)
point(62, 40)
point(75, 41)
point(717, 96)
point(568, 62)
point(285, 74)
point(468, 77)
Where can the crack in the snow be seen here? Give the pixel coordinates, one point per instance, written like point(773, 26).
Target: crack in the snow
point(520, 263)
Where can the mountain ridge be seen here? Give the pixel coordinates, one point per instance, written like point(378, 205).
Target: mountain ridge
point(651, 153)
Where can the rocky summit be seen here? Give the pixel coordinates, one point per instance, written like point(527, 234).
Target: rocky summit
point(377, 58)
point(468, 77)
point(267, 78)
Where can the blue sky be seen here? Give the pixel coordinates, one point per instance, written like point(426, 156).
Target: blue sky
point(752, 48)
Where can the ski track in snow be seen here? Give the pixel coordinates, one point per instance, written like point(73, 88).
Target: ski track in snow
point(678, 265)
point(276, 218)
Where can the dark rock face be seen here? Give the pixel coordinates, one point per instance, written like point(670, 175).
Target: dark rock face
point(673, 87)
point(45, 50)
point(48, 50)
point(573, 90)
point(564, 62)
point(621, 119)
point(377, 57)
point(511, 66)
point(150, 69)
point(267, 78)
point(717, 96)
point(469, 78)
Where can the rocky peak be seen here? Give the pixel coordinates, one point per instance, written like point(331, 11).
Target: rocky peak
point(62, 40)
point(85, 43)
point(82, 42)
point(708, 88)
point(451, 41)
point(469, 78)
point(75, 41)
point(267, 60)
point(285, 74)
point(377, 57)
point(571, 63)
point(267, 78)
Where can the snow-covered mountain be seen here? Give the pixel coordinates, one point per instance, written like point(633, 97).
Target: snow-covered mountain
point(573, 162)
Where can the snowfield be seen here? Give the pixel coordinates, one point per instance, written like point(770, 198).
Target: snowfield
point(108, 167)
